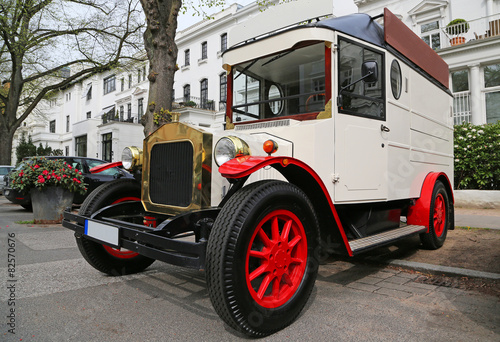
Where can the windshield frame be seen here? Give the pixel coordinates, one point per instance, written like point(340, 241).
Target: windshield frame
point(232, 109)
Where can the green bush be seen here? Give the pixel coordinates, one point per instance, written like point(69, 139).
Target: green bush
point(477, 156)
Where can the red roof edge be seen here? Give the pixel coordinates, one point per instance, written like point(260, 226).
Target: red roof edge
point(404, 40)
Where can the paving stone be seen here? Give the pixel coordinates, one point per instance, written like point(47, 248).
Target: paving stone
point(397, 280)
point(393, 293)
point(370, 280)
point(422, 286)
point(383, 274)
point(363, 287)
point(404, 288)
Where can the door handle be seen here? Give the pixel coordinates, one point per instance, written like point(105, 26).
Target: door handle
point(384, 128)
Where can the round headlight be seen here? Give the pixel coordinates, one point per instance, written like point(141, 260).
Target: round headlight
point(228, 148)
point(131, 157)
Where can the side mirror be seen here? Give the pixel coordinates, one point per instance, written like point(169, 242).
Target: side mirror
point(369, 71)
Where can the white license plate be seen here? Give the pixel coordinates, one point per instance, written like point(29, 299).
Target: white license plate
point(102, 232)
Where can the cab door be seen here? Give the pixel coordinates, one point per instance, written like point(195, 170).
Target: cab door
point(360, 130)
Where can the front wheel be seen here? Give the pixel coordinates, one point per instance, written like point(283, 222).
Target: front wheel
point(439, 218)
point(260, 265)
point(107, 259)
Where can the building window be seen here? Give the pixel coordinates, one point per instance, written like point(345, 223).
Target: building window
point(492, 96)
point(140, 109)
point(129, 111)
point(223, 91)
point(129, 81)
point(430, 34)
point(223, 42)
point(109, 84)
point(186, 57)
point(461, 96)
point(204, 93)
point(204, 50)
point(107, 146)
point(122, 112)
point(122, 84)
point(187, 93)
point(81, 146)
point(460, 81)
point(144, 73)
point(66, 151)
point(67, 123)
point(68, 97)
point(89, 115)
point(138, 75)
point(52, 126)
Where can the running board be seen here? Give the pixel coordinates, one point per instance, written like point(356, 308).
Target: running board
point(363, 244)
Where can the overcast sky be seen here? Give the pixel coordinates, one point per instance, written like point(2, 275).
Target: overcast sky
point(341, 7)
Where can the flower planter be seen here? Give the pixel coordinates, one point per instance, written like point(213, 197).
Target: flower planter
point(457, 41)
point(49, 204)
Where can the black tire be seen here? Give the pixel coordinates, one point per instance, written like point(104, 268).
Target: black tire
point(27, 207)
point(99, 256)
point(439, 218)
point(237, 288)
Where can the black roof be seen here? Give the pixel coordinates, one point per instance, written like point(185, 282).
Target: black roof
point(358, 25)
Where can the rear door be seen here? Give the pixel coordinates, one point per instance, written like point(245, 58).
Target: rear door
point(360, 131)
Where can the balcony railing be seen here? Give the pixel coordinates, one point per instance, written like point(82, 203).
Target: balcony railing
point(108, 118)
point(471, 30)
point(461, 107)
point(196, 102)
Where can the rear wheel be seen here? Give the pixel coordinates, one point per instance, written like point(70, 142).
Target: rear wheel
point(107, 259)
point(439, 218)
point(260, 266)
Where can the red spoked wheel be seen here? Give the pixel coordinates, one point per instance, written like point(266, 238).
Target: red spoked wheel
point(439, 218)
point(107, 259)
point(260, 265)
point(119, 252)
point(276, 259)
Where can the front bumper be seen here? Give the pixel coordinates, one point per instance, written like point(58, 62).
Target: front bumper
point(167, 242)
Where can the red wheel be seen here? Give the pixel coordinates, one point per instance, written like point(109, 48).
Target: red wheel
point(260, 264)
point(276, 259)
point(118, 252)
point(106, 259)
point(439, 218)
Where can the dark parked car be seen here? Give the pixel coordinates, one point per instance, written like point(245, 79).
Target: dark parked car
point(4, 170)
point(93, 180)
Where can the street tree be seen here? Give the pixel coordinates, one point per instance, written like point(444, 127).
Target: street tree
point(159, 41)
point(41, 40)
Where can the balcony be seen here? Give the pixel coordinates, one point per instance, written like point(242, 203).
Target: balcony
point(196, 102)
point(472, 30)
point(112, 117)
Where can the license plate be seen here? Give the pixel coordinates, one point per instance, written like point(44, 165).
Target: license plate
point(102, 232)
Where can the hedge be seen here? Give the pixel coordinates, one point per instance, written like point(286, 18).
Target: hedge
point(477, 156)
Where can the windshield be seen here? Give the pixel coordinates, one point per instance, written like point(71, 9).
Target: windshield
point(287, 83)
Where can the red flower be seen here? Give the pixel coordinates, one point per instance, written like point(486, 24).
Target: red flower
point(45, 172)
point(41, 180)
point(76, 180)
point(37, 166)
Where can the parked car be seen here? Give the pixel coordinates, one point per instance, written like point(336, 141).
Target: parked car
point(93, 180)
point(4, 170)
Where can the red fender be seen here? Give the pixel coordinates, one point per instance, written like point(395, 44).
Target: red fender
point(419, 213)
point(246, 165)
point(102, 167)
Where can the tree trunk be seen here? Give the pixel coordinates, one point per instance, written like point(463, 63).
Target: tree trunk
point(6, 137)
point(159, 40)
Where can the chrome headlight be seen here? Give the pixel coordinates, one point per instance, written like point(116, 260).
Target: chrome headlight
point(131, 157)
point(228, 148)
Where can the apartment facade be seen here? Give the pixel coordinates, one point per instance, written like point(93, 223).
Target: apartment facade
point(101, 115)
point(470, 47)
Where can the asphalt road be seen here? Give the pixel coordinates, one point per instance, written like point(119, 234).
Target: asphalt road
point(57, 296)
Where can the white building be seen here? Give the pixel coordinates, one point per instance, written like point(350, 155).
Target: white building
point(101, 115)
point(474, 62)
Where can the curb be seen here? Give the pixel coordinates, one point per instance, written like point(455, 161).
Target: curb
point(454, 271)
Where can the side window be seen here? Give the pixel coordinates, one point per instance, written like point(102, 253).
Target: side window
point(361, 96)
point(109, 172)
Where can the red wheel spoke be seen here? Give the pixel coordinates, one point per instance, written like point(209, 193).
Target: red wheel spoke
point(296, 261)
point(263, 287)
point(259, 271)
point(294, 241)
point(275, 229)
point(264, 238)
point(276, 288)
point(286, 230)
point(287, 280)
point(258, 254)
